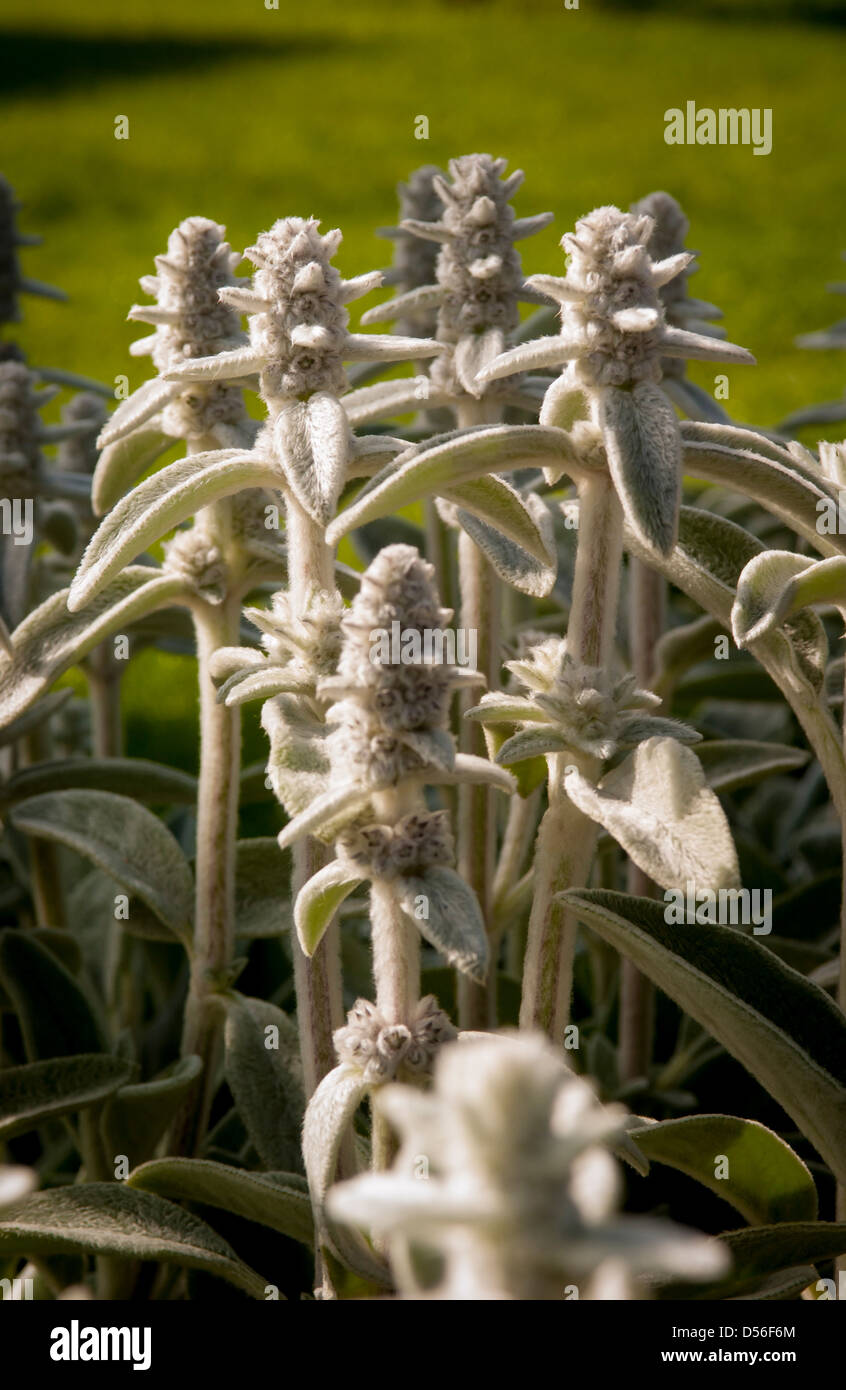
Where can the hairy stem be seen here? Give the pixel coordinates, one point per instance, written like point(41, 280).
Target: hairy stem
point(647, 608)
point(104, 679)
point(479, 591)
point(567, 838)
point(317, 978)
point(217, 824)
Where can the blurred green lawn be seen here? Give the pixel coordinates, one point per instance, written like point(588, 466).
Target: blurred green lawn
point(246, 114)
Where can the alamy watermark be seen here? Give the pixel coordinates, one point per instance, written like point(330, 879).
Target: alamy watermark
point(428, 646)
point(692, 906)
point(16, 519)
point(727, 126)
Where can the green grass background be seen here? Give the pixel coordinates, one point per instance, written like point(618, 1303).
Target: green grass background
point(245, 114)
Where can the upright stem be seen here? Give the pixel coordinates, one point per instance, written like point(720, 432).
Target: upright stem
point(217, 825)
point(395, 946)
point(104, 677)
point(317, 979)
point(647, 605)
point(566, 838)
point(476, 823)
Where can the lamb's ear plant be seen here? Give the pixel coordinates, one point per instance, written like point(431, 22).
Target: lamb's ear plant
point(130, 1049)
point(520, 1194)
point(388, 741)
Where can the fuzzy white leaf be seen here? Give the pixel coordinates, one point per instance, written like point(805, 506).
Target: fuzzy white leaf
point(50, 640)
point(157, 505)
point(319, 899)
point(777, 584)
point(446, 912)
point(644, 454)
point(313, 444)
point(658, 806)
point(122, 463)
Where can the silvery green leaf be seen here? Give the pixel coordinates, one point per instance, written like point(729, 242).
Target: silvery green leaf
point(157, 505)
point(766, 1181)
point(122, 463)
point(515, 565)
point(313, 444)
point(40, 1091)
point(766, 1261)
point(532, 743)
point(224, 366)
point(135, 777)
point(54, 1012)
point(370, 453)
point(469, 768)
point(137, 408)
point(499, 708)
point(261, 685)
point(298, 767)
point(678, 342)
point(120, 837)
point(494, 501)
point(260, 1043)
point(390, 398)
point(447, 462)
point(473, 353)
point(319, 899)
point(109, 1218)
point(781, 488)
point(404, 305)
point(51, 640)
point(784, 1030)
point(642, 439)
point(135, 1118)
point(657, 805)
point(262, 888)
point(446, 912)
point(277, 1200)
point(702, 434)
point(335, 805)
point(388, 347)
point(328, 1119)
point(231, 661)
point(5, 638)
point(549, 351)
point(652, 726)
point(731, 763)
point(775, 585)
point(706, 563)
point(35, 714)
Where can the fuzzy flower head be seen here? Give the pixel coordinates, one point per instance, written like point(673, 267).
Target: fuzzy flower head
point(12, 282)
point(614, 338)
point(299, 342)
point(415, 843)
point(78, 453)
point(573, 708)
point(190, 323)
point(391, 717)
point(385, 1051)
point(479, 279)
point(22, 431)
point(307, 636)
point(522, 1194)
point(199, 562)
point(415, 257)
point(669, 232)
